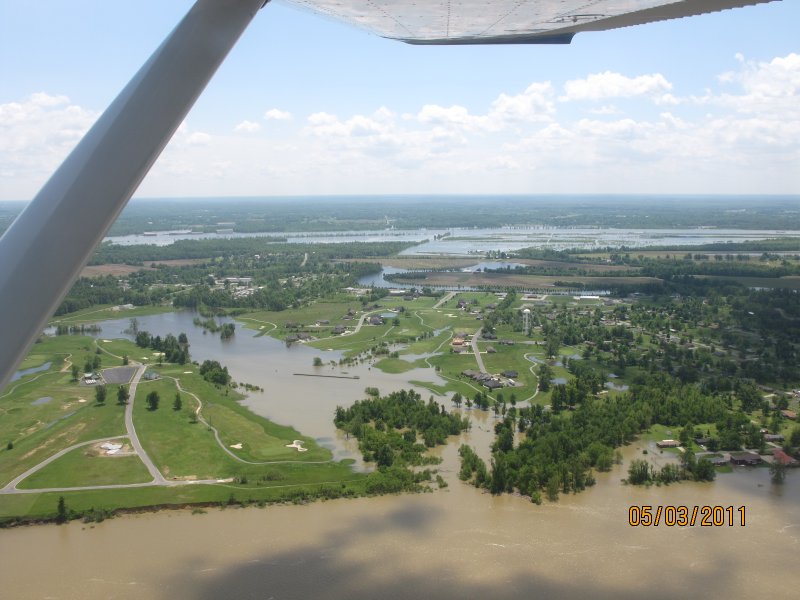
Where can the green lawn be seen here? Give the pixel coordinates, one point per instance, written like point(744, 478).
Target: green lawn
point(394, 365)
point(37, 427)
point(106, 312)
point(80, 467)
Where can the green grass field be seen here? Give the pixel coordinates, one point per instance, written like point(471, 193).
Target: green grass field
point(81, 467)
point(37, 427)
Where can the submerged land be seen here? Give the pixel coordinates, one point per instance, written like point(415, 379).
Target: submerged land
point(572, 353)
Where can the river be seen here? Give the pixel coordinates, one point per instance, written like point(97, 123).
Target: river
point(454, 543)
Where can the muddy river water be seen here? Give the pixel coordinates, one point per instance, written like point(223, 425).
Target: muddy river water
point(454, 543)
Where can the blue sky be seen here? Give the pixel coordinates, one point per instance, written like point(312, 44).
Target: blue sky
point(304, 105)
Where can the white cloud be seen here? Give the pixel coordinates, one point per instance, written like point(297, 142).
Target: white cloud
point(36, 134)
point(741, 135)
point(614, 85)
point(198, 138)
point(607, 109)
point(274, 114)
point(247, 127)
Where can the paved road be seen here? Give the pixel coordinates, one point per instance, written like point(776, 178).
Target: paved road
point(11, 487)
point(476, 352)
point(158, 478)
point(444, 299)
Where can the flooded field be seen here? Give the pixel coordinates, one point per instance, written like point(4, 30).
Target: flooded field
point(454, 543)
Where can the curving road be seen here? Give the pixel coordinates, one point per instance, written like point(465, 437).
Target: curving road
point(158, 478)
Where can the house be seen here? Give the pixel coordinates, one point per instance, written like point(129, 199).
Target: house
point(490, 350)
point(702, 441)
point(488, 335)
point(457, 349)
point(323, 322)
point(339, 329)
point(773, 437)
point(469, 373)
point(779, 456)
point(789, 414)
point(509, 374)
point(506, 342)
point(458, 341)
point(375, 320)
point(492, 384)
point(745, 458)
point(668, 444)
point(714, 458)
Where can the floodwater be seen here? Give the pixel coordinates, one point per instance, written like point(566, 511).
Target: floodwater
point(22, 372)
point(454, 543)
point(307, 403)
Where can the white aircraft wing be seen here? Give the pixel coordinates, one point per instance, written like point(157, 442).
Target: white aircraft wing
point(505, 21)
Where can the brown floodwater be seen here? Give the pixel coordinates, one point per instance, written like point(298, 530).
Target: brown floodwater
point(453, 543)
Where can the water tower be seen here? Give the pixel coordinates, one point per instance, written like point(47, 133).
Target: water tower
point(526, 321)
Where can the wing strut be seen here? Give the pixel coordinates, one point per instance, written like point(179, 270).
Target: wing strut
point(44, 250)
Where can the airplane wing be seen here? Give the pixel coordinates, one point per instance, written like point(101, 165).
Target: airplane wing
point(449, 22)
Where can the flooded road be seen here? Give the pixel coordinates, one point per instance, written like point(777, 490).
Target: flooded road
point(454, 543)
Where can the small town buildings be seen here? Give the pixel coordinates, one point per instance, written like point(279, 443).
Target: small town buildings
point(779, 456)
point(714, 458)
point(745, 458)
point(668, 444)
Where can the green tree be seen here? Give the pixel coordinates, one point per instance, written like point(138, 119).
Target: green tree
point(177, 404)
point(545, 375)
point(125, 360)
point(457, 399)
point(777, 471)
point(75, 372)
point(122, 395)
point(61, 511)
point(152, 400)
point(100, 394)
point(553, 485)
point(639, 472)
point(317, 361)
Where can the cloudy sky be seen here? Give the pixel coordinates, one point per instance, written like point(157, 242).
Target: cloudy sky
point(305, 105)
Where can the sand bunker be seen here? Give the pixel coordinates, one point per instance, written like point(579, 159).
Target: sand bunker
point(297, 444)
point(237, 446)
